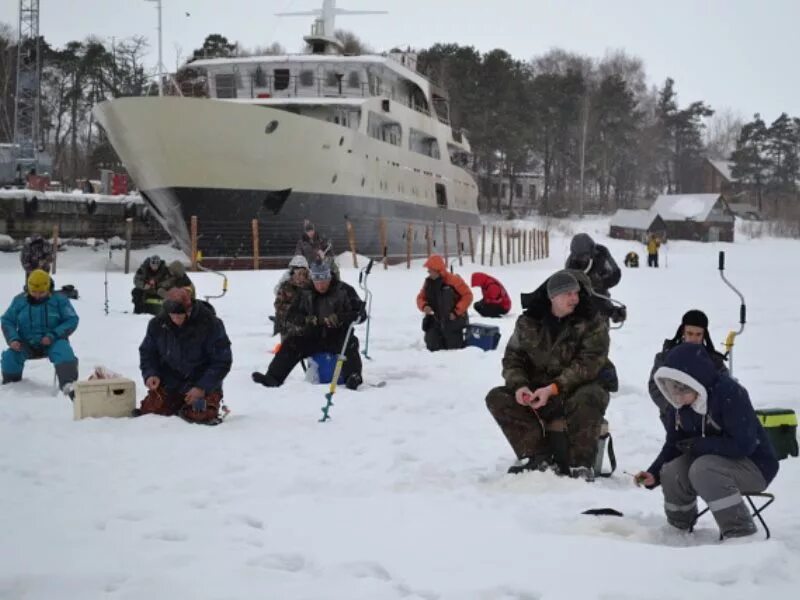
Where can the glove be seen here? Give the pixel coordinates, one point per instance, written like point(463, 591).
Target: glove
point(618, 314)
point(331, 321)
point(311, 320)
point(685, 446)
point(199, 405)
point(362, 315)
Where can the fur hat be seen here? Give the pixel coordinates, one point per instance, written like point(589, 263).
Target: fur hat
point(298, 262)
point(562, 283)
point(696, 318)
point(38, 281)
point(582, 245)
point(176, 267)
point(320, 271)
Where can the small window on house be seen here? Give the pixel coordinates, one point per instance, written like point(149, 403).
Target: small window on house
point(331, 80)
point(226, 85)
point(354, 79)
point(518, 190)
point(282, 77)
point(260, 77)
point(441, 195)
point(307, 78)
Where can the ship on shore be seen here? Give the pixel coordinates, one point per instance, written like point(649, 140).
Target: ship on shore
point(319, 136)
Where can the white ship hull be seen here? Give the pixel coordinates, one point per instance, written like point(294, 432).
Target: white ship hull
point(230, 162)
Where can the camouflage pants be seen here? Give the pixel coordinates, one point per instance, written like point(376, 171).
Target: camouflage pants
point(579, 416)
point(168, 404)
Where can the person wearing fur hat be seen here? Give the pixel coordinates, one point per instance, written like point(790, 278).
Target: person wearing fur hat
point(444, 299)
point(319, 318)
point(177, 278)
point(146, 281)
point(37, 253)
point(557, 379)
point(296, 279)
point(715, 446)
point(38, 323)
point(184, 358)
point(692, 330)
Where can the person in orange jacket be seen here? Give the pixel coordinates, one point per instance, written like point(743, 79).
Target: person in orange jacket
point(444, 298)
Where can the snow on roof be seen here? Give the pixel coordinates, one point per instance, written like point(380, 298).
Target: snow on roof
point(633, 219)
point(724, 167)
point(74, 196)
point(685, 207)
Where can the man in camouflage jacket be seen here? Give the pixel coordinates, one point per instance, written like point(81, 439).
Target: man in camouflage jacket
point(557, 379)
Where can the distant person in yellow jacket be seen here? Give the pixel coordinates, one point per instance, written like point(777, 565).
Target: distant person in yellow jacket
point(653, 244)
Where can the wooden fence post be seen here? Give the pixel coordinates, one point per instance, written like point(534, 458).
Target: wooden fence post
point(256, 259)
point(520, 246)
point(483, 242)
point(409, 243)
point(128, 241)
point(194, 243)
point(351, 238)
point(384, 243)
point(524, 235)
point(500, 244)
point(428, 240)
point(546, 244)
point(508, 246)
point(471, 245)
point(54, 266)
point(491, 253)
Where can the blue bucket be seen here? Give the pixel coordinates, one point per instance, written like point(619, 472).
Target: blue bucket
point(326, 364)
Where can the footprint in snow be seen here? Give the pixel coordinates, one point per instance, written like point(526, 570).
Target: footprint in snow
point(168, 536)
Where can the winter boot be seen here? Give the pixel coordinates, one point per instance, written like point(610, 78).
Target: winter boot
point(11, 378)
point(539, 462)
point(585, 473)
point(559, 444)
point(265, 379)
point(353, 381)
point(67, 374)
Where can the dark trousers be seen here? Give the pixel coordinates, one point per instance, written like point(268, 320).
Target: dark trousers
point(579, 416)
point(444, 334)
point(298, 347)
point(489, 310)
point(652, 260)
point(139, 298)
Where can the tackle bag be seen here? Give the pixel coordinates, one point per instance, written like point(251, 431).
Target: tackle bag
point(781, 427)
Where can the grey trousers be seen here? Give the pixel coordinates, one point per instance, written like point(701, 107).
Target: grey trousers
point(720, 482)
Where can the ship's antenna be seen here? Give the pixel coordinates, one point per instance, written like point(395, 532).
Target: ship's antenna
point(322, 30)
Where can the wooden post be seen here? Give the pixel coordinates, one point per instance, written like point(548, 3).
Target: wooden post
point(483, 242)
point(256, 259)
point(193, 233)
point(500, 244)
point(524, 241)
point(520, 247)
point(428, 240)
point(471, 245)
point(491, 253)
point(409, 244)
point(546, 253)
point(444, 240)
point(384, 243)
point(128, 240)
point(508, 246)
point(351, 238)
point(54, 266)
point(458, 245)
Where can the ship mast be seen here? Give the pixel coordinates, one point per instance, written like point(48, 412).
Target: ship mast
point(321, 39)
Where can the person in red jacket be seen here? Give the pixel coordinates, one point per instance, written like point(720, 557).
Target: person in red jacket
point(495, 301)
point(444, 298)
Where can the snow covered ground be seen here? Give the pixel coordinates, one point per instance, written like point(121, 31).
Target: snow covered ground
point(404, 494)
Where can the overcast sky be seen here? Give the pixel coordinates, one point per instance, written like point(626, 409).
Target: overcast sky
point(738, 54)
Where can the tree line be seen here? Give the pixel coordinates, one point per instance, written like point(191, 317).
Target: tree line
point(592, 131)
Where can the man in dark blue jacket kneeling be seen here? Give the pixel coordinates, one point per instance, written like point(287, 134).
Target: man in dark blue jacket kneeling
point(184, 358)
point(716, 447)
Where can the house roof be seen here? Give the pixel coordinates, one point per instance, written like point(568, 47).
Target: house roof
point(724, 167)
point(633, 219)
point(685, 207)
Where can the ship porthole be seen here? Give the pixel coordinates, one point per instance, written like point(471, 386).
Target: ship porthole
point(335, 177)
point(271, 126)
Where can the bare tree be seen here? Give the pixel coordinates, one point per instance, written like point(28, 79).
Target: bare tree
point(722, 131)
point(8, 58)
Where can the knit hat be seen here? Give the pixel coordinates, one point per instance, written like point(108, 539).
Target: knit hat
point(582, 245)
point(38, 281)
point(298, 262)
point(178, 300)
point(561, 283)
point(320, 271)
point(696, 318)
point(176, 267)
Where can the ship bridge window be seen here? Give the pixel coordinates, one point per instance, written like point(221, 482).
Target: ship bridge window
point(332, 78)
point(282, 77)
point(423, 143)
point(260, 77)
point(383, 129)
point(441, 195)
point(307, 78)
point(354, 79)
point(458, 156)
point(226, 85)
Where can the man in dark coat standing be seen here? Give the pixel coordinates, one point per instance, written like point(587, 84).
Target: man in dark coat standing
point(37, 253)
point(596, 261)
point(184, 358)
point(321, 317)
point(715, 446)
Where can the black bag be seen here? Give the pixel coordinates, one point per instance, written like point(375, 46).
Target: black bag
point(781, 427)
point(70, 291)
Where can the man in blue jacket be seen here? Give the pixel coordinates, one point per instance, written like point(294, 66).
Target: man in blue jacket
point(716, 447)
point(37, 324)
point(184, 358)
